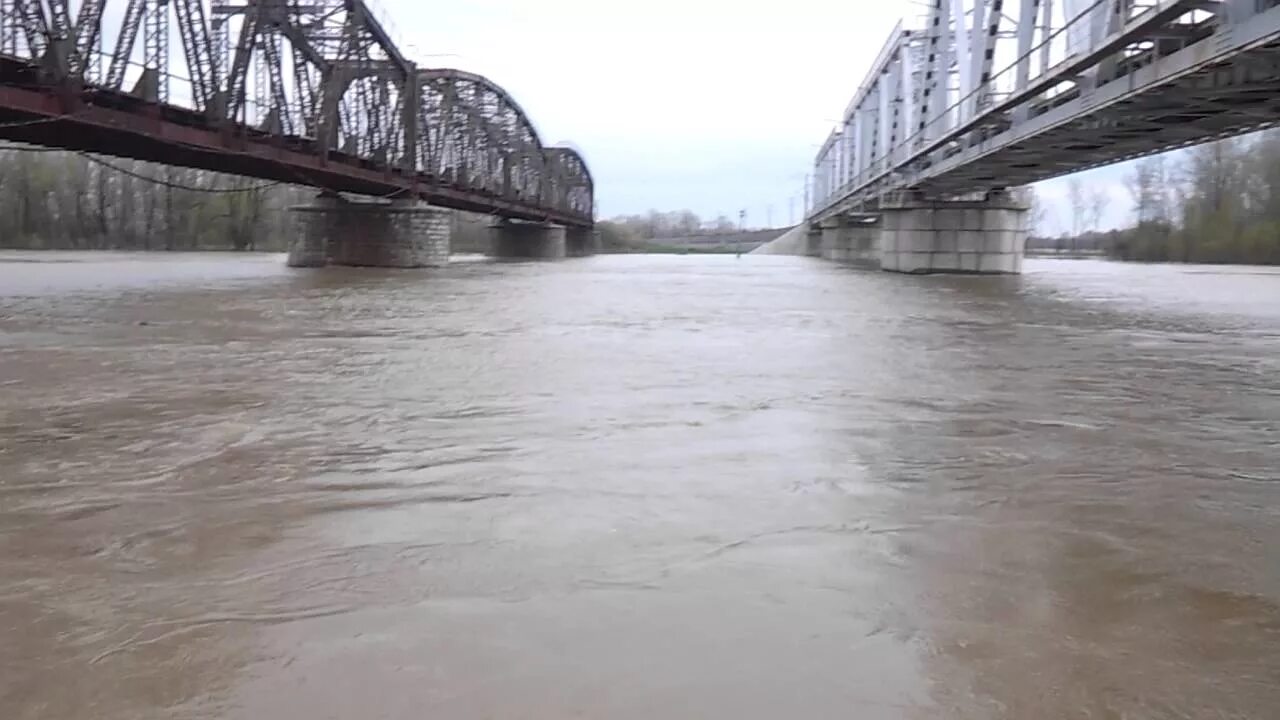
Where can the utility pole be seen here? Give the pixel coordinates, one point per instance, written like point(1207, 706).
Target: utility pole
point(737, 239)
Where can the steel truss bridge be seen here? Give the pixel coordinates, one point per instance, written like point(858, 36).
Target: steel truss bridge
point(312, 92)
point(988, 94)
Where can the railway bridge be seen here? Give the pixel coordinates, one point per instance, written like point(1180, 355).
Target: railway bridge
point(310, 92)
point(979, 97)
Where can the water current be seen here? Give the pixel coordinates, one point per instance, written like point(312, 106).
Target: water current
point(636, 487)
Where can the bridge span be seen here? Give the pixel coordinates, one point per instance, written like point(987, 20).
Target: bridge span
point(312, 92)
point(979, 97)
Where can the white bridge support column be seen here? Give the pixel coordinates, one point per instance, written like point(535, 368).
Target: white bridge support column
point(813, 241)
point(528, 240)
point(397, 233)
point(928, 236)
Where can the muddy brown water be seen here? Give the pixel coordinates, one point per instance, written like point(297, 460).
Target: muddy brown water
point(636, 487)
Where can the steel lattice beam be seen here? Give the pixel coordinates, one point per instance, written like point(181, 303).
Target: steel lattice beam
point(958, 105)
point(341, 88)
point(28, 16)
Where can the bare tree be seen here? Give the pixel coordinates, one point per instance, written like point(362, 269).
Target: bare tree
point(1263, 171)
point(1096, 202)
point(1144, 188)
point(1079, 206)
point(70, 200)
point(1215, 174)
point(1037, 211)
point(1161, 195)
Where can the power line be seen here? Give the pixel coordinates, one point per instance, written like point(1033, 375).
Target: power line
point(140, 176)
point(173, 185)
point(302, 178)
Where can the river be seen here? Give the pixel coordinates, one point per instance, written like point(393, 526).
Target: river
point(636, 487)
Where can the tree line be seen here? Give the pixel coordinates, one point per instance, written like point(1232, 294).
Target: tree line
point(640, 231)
point(67, 200)
point(656, 225)
point(1214, 203)
point(53, 199)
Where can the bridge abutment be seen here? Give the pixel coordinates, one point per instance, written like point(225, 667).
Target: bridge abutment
point(528, 240)
point(398, 233)
point(927, 236)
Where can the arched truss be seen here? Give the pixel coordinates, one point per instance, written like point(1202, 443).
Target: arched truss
point(475, 134)
point(319, 71)
point(573, 180)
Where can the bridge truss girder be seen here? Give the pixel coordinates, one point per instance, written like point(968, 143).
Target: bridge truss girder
point(977, 78)
point(320, 71)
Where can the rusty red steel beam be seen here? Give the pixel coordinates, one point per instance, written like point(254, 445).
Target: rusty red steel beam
point(153, 133)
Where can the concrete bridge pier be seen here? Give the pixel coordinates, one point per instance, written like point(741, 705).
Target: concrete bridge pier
point(984, 236)
point(581, 242)
point(512, 239)
point(851, 240)
point(813, 241)
point(369, 233)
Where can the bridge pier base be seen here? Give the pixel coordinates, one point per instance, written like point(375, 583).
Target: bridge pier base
point(581, 242)
point(542, 241)
point(398, 233)
point(813, 241)
point(309, 247)
point(852, 241)
point(925, 236)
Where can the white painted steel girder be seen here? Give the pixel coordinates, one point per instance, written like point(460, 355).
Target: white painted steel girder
point(971, 71)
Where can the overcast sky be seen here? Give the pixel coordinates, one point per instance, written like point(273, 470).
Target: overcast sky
point(711, 105)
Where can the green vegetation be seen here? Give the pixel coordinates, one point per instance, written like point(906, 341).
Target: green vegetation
point(1220, 204)
point(615, 237)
